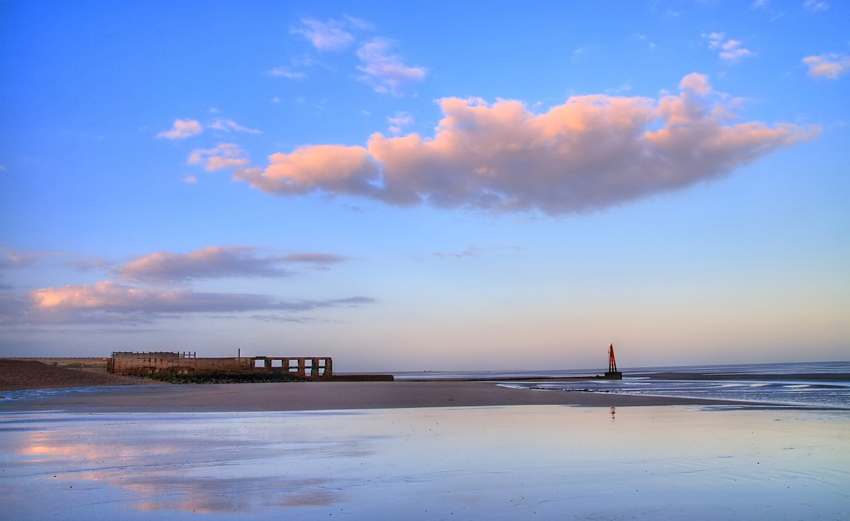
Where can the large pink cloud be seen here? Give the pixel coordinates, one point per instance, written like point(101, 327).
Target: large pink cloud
point(591, 152)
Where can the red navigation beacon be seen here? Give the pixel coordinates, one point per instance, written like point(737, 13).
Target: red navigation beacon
point(612, 373)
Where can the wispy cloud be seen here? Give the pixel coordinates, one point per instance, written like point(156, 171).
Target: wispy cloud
point(217, 262)
point(399, 121)
point(11, 259)
point(224, 155)
point(228, 125)
point(470, 252)
point(146, 292)
point(182, 129)
point(591, 152)
point(286, 72)
point(112, 302)
point(316, 259)
point(815, 5)
point(206, 263)
point(332, 35)
point(729, 50)
point(827, 65)
point(385, 72)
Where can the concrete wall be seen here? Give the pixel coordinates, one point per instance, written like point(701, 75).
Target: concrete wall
point(141, 364)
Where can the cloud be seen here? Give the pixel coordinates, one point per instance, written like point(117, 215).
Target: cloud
point(398, 121)
point(332, 168)
point(224, 155)
point(206, 263)
point(228, 125)
point(472, 251)
point(113, 297)
point(285, 72)
point(111, 302)
point(182, 129)
point(10, 259)
point(591, 152)
point(87, 266)
point(319, 259)
point(730, 50)
point(384, 72)
point(815, 5)
point(827, 65)
point(216, 262)
point(142, 295)
point(696, 84)
point(325, 36)
point(190, 180)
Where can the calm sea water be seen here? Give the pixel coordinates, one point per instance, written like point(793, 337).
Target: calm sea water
point(830, 388)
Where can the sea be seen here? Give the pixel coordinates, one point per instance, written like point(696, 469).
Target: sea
point(804, 384)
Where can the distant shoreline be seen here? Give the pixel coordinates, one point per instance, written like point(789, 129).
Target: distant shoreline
point(307, 396)
point(100, 392)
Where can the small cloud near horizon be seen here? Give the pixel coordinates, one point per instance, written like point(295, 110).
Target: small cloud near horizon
point(110, 302)
point(142, 295)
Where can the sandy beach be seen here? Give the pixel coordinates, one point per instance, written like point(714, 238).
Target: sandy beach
point(112, 393)
point(318, 396)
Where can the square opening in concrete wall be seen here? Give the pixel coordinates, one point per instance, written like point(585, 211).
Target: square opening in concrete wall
point(277, 363)
point(259, 363)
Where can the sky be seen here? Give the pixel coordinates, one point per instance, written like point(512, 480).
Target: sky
point(427, 185)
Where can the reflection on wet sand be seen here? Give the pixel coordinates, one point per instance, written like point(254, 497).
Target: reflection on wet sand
point(497, 463)
point(175, 473)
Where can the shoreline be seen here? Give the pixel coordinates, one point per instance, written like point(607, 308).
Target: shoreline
point(23, 385)
point(322, 396)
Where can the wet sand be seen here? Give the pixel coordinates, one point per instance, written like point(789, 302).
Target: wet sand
point(313, 396)
point(495, 463)
point(416, 450)
point(98, 392)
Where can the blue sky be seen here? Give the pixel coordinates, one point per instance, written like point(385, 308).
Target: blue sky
point(489, 185)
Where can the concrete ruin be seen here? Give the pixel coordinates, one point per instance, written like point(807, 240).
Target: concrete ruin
point(153, 363)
